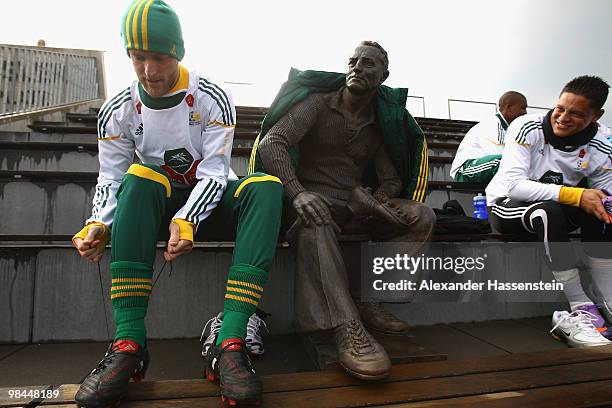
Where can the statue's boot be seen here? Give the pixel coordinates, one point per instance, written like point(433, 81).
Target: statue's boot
point(376, 317)
point(359, 353)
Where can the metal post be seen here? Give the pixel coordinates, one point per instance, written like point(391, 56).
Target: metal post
point(44, 97)
point(69, 82)
point(30, 87)
point(64, 98)
point(36, 84)
point(53, 83)
point(20, 77)
point(7, 81)
point(14, 66)
point(2, 105)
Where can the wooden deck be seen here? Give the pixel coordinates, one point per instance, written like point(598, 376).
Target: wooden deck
point(559, 378)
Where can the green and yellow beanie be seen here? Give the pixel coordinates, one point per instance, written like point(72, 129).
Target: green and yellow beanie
point(152, 25)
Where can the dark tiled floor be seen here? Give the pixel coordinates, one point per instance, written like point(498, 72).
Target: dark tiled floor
point(42, 364)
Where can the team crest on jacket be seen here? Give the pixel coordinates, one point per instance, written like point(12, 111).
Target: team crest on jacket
point(582, 163)
point(181, 166)
point(189, 100)
point(195, 119)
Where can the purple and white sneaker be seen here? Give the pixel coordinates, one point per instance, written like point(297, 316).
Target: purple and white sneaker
point(598, 320)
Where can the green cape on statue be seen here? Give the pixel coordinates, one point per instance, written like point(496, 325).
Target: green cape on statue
point(403, 138)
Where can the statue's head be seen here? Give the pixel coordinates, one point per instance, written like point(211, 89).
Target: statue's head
point(367, 68)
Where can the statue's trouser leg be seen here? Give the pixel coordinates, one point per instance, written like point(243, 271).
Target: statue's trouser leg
point(143, 201)
point(252, 208)
point(414, 236)
point(322, 297)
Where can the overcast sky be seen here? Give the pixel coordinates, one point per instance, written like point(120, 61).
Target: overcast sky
point(439, 49)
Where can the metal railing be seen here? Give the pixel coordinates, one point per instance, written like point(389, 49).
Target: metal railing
point(412, 104)
point(34, 78)
point(479, 114)
point(490, 104)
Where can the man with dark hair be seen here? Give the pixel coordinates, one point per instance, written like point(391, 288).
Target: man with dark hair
point(535, 192)
point(327, 136)
point(591, 87)
point(181, 127)
point(480, 151)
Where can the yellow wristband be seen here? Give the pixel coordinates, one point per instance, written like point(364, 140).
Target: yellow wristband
point(186, 229)
point(103, 239)
point(570, 195)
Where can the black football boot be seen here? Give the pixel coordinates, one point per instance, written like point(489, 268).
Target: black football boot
point(104, 387)
point(231, 365)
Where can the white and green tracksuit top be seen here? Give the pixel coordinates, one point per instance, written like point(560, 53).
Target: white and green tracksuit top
point(192, 141)
point(532, 170)
point(483, 139)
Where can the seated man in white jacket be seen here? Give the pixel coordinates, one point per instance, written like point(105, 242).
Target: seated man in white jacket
point(535, 192)
point(479, 153)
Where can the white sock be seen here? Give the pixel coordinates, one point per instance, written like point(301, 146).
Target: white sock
point(601, 273)
point(572, 288)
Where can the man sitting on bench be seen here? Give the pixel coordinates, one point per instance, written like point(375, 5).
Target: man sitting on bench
point(181, 127)
point(334, 134)
point(480, 151)
point(535, 192)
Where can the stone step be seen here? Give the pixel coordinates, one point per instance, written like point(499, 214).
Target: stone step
point(59, 202)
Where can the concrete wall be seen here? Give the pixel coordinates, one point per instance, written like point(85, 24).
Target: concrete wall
point(51, 294)
point(44, 208)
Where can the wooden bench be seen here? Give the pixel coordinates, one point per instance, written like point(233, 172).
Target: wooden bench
point(560, 378)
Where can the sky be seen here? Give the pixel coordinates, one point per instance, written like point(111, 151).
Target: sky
point(438, 49)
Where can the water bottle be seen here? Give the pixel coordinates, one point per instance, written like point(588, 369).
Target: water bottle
point(480, 207)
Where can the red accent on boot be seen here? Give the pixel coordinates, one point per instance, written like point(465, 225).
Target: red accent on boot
point(126, 346)
point(231, 344)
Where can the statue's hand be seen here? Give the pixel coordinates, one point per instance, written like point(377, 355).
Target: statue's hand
point(312, 207)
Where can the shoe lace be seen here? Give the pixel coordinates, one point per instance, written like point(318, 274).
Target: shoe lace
point(254, 326)
point(582, 319)
point(395, 209)
point(358, 337)
point(108, 358)
point(381, 311)
point(215, 326)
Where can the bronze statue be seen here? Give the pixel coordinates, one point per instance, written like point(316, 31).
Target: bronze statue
point(338, 136)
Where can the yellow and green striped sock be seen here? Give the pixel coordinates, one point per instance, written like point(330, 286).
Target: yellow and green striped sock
point(130, 291)
point(244, 290)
